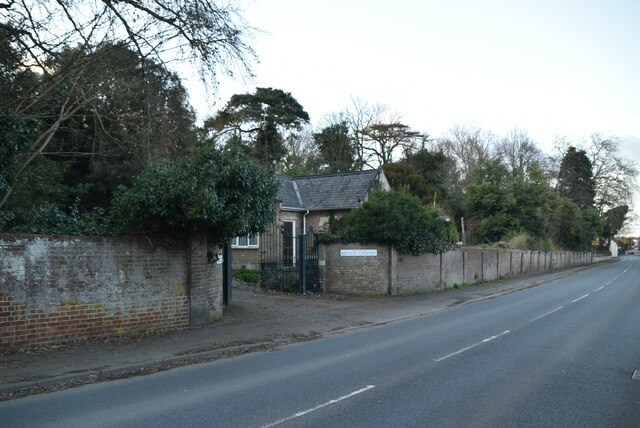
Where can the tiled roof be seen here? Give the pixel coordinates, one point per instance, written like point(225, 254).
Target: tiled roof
point(326, 192)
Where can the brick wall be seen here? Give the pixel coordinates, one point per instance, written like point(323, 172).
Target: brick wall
point(392, 273)
point(247, 258)
point(356, 274)
point(58, 289)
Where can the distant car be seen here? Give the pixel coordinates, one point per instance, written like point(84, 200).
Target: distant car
point(632, 252)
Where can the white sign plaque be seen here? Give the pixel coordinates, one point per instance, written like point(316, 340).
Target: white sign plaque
point(359, 253)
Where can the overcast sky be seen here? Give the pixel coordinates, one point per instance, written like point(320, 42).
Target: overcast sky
point(554, 68)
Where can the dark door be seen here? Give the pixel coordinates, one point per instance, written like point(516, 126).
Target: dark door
point(287, 242)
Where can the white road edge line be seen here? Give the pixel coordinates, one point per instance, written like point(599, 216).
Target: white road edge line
point(599, 288)
point(548, 313)
point(437, 360)
point(580, 298)
point(328, 403)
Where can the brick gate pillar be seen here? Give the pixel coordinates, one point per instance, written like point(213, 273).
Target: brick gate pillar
point(204, 280)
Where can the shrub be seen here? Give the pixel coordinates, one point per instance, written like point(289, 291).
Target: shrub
point(221, 191)
point(546, 245)
point(399, 219)
point(462, 286)
point(522, 241)
point(247, 275)
point(519, 242)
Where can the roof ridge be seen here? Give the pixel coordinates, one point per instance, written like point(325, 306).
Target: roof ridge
point(332, 174)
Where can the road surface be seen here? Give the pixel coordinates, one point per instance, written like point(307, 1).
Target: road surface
point(563, 354)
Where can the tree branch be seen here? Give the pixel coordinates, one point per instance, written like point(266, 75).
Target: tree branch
point(40, 144)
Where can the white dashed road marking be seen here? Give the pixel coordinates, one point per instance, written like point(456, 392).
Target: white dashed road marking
point(489, 339)
point(580, 298)
point(548, 313)
point(318, 407)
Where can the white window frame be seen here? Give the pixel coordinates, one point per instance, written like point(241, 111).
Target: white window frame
point(294, 242)
point(235, 242)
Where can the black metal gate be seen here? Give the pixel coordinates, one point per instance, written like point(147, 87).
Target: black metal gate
point(289, 262)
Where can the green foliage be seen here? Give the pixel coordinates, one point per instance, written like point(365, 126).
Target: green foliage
point(437, 170)
point(546, 245)
point(403, 176)
point(41, 202)
point(50, 219)
point(592, 225)
point(18, 132)
point(140, 115)
point(570, 227)
point(296, 170)
point(277, 106)
point(575, 178)
point(337, 150)
point(485, 201)
point(565, 223)
point(106, 119)
point(399, 219)
point(264, 116)
point(461, 286)
point(478, 281)
point(612, 222)
point(525, 209)
point(218, 190)
point(429, 175)
point(519, 242)
point(505, 203)
point(268, 146)
point(247, 275)
point(522, 241)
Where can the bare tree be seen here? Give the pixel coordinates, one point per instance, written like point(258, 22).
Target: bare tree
point(360, 116)
point(209, 35)
point(468, 147)
point(518, 152)
point(302, 153)
point(388, 137)
point(378, 134)
point(614, 177)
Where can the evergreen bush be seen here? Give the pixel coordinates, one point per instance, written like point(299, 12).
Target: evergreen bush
point(395, 218)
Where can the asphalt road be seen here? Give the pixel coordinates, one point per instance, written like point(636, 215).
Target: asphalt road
point(558, 355)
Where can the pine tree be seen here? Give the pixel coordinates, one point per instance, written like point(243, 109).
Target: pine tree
point(575, 178)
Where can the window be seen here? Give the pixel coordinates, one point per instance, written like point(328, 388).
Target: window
point(249, 241)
